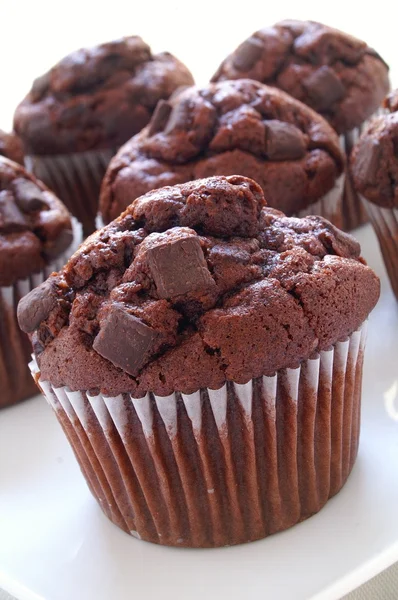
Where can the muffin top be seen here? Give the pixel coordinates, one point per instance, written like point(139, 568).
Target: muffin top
point(97, 98)
point(336, 74)
point(232, 127)
point(35, 227)
point(194, 285)
point(11, 147)
point(374, 160)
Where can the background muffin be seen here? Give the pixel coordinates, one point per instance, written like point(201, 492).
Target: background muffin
point(11, 147)
point(78, 114)
point(374, 166)
point(232, 127)
point(336, 74)
point(35, 236)
point(212, 350)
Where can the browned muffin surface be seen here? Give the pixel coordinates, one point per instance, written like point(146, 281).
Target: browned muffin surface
point(192, 286)
point(374, 160)
point(35, 227)
point(97, 97)
point(232, 127)
point(335, 73)
point(11, 147)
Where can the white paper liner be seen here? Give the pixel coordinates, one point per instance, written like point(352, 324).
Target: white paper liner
point(76, 179)
point(15, 347)
point(353, 213)
point(329, 206)
point(385, 224)
point(220, 467)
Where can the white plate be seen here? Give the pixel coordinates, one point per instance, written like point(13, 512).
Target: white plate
point(55, 543)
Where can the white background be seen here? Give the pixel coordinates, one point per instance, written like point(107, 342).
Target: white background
point(35, 34)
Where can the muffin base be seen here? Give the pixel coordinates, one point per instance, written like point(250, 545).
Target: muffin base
point(220, 467)
point(329, 206)
point(15, 348)
point(76, 179)
point(385, 225)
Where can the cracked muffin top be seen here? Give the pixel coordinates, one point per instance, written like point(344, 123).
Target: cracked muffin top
point(35, 227)
point(232, 127)
point(195, 285)
point(374, 160)
point(97, 97)
point(11, 147)
point(336, 74)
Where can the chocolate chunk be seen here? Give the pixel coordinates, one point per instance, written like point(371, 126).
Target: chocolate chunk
point(179, 117)
point(368, 161)
point(179, 267)
point(283, 141)
point(11, 218)
point(159, 117)
point(36, 306)
point(247, 54)
point(324, 88)
point(40, 86)
point(125, 340)
point(28, 195)
point(55, 247)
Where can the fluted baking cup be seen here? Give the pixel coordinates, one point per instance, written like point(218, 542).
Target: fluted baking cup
point(329, 206)
point(385, 225)
point(76, 179)
point(15, 348)
point(220, 467)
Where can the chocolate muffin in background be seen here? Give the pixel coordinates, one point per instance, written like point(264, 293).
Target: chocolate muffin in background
point(77, 115)
point(226, 128)
point(203, 354)
point(336, 74)
point(374, 167)
point(36, 238)
point(11, 147)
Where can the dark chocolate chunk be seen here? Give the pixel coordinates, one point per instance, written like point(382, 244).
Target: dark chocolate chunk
point(179, 267)
point(179, 117)
point(368, 161)
point(159, 117)
point(28, 195)
point(247, 54)
point(283, 141)
point(324, 88)
point(40, 86)
point(125, 340)
point(11, 218)
point(55, 247)
point(36, 306)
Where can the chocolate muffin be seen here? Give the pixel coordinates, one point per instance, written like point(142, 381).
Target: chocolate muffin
point(35, 236)
point(11, 147)
point(336, 74)
point(226, 128)
point(374, 167)
point(203, 354)
point(76, 116)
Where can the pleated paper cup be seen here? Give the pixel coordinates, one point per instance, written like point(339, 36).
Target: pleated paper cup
point(353, 212)
point(76, 179)
point(15, 348)
point(220, 467)
point(385, 225)
point(329, 206)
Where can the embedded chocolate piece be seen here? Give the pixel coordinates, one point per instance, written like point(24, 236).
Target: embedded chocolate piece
point(324, 88)
point(179, 267)
point(283, 141)
point(125, 340)
point(55, 247)
point(28, 195)
point(368, 161)
point(11, 218)
point(35, 307)
point(160, 117)
point(248, 54)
